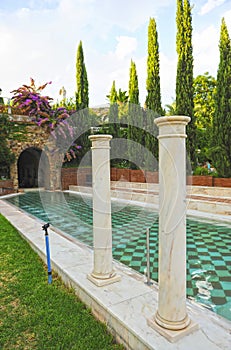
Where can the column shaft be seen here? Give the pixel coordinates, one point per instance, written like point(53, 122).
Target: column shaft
point(103, 272)
point(172, 313)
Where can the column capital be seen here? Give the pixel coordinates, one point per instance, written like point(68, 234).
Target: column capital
point(173, 119)
point(100, 137)
point(172, 126)
point(100, 141)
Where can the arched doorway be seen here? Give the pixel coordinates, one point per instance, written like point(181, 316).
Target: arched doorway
point(29, 166)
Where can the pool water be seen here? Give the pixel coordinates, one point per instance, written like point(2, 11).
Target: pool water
point(208, 243)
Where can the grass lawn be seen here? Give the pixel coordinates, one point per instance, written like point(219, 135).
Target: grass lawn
point(38, 315)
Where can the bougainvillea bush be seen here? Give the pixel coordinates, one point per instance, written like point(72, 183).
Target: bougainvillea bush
point(29, 100)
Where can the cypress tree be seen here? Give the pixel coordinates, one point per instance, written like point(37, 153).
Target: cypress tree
point(153, 99)
point(135, 120)
point(133, 90)
point(113, 117)
point(150, 139)
point(82, 99)
point(184, 79)
point(222, 118)
point(85, 87)
point(179, 26)
point(82, 102)
point(114, 125)
point(113, 94)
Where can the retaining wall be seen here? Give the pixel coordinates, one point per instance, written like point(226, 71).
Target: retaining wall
point(6, 187)
point(82, 177)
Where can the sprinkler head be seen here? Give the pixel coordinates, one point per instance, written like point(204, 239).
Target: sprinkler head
point(45, 227)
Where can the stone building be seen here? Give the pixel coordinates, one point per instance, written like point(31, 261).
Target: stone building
point(34, 166)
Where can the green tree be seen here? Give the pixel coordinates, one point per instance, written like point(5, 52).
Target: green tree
point(69, 104)
point(133, 88)
point(150, 139)
point(112, 97)
point(204, 108)
point(204, 100)
point(221, 152)
point(122, 101)
point(82, 99)
point(116, 100)
point(171, 109)
point(113, 117)
point(6, 156)
point(135, 121)
point(82, 102)
point(153, 99)
point(179, 26)
point(120, 98)
point(184, 78)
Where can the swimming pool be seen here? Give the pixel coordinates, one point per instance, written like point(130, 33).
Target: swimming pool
point(208, 244)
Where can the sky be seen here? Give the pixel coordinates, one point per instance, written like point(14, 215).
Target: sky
point(39, 39)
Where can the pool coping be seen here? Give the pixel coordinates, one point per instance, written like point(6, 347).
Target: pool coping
point(124, 306)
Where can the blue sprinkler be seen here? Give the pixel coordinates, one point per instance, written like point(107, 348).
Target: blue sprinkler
point(45, 227)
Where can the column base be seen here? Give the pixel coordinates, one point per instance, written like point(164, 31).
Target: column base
point(173, 335)
point(100, 282)
point(172, 325)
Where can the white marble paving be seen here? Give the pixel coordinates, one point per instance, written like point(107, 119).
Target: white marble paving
point(124, 306)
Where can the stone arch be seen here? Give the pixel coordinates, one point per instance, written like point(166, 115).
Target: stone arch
point(28, 165)
point(35, 138)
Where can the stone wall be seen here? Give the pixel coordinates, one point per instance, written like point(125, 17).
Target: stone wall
point(75, 176)
point(33, 136)
point(6, 187)
point(204, 180)
point(82, 177)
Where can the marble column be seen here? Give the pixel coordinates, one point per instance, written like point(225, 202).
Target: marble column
point(171, 315)
point(103, 272)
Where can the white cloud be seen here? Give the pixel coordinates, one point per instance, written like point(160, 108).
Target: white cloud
point(41, 42)
point(167, 78)
point(206, 51)
point(210, 5)
point(126, 46)
point(227, 16)
point(129, 15)
point(102, 70)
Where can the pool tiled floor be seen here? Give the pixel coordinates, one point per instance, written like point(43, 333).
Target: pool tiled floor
point(208, 244)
